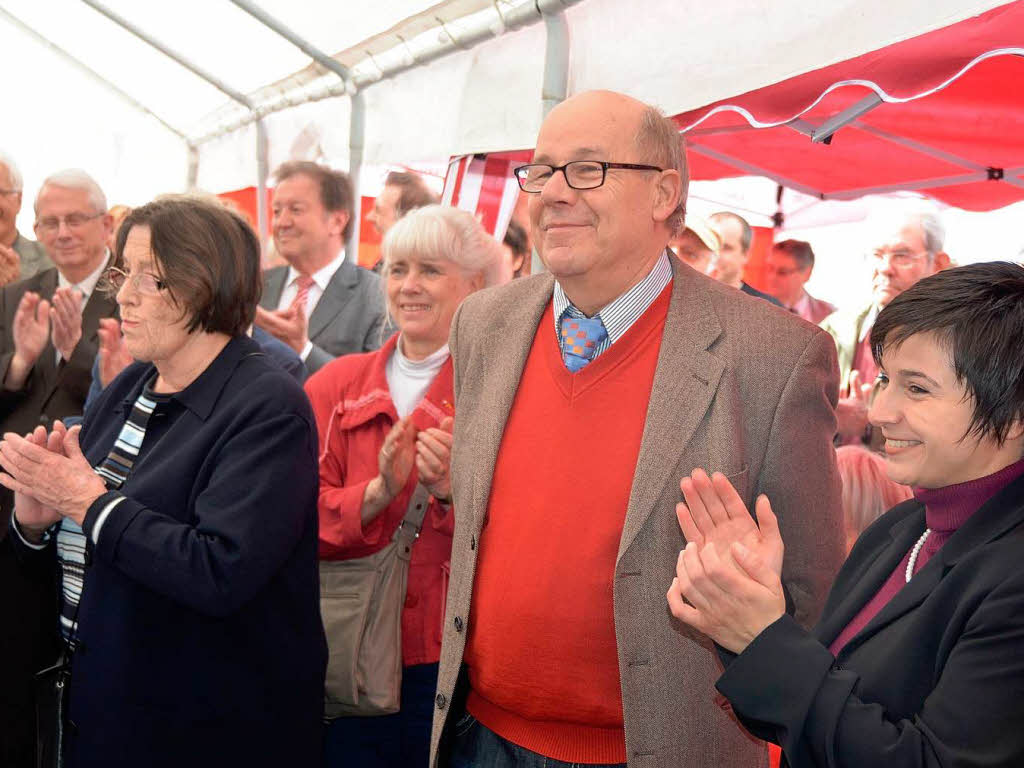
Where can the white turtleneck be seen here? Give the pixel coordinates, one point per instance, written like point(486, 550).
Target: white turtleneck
point(409, 380)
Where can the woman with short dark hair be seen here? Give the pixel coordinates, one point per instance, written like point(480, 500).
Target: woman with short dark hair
point(183, 518)
point(917, 659)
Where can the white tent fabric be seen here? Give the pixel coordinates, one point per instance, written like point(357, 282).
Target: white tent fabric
point(676, 54)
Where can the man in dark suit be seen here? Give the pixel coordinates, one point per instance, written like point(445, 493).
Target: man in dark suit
point(48, 340)
point(322, 305)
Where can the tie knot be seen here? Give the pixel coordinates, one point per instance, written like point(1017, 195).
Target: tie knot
point(579, 338)
point(304, 282)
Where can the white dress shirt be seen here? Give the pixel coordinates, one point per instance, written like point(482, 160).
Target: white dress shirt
point(321, 278)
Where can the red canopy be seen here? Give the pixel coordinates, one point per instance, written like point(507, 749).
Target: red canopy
point(941, 113)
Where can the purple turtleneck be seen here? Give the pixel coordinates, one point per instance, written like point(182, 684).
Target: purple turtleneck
point(946, 509)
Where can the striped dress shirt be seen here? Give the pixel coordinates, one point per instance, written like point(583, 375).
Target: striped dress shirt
point(619, 315)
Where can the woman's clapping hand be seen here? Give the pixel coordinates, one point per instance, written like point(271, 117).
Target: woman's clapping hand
point(728, 578)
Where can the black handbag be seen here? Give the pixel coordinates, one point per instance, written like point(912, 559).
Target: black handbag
point(52, 690)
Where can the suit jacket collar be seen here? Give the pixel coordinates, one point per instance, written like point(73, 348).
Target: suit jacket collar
point(338, 292)
point(512, 333)
point(1001, 513)
point(685, 380)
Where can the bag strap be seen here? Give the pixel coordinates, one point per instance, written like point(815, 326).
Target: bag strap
point(409, 529)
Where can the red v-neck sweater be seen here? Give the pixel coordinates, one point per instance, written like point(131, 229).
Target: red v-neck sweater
point(542, 656)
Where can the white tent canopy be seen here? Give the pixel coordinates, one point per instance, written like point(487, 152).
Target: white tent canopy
point(480, 97)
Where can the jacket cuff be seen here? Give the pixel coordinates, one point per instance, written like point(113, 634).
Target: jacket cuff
point(120, 511)
point(782, 668)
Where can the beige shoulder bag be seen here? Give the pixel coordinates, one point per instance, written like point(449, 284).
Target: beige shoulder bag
point(361, 603)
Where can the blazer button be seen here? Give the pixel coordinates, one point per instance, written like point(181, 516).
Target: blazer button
point(472, 542)
point(458, 623)
point(441, 701)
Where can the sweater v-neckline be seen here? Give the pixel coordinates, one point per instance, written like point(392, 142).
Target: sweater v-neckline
point(573, 385)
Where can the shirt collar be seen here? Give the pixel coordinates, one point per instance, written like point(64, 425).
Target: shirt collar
point(202, 394)
point(867, 322)
point(87, 285)
point(322, 276)
point(803, 305)
point(620, 314)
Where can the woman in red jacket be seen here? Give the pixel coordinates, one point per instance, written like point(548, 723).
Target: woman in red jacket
point(384, 420)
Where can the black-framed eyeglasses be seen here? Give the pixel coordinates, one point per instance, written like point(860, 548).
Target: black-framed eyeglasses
point(579, 174)
point(144, 282)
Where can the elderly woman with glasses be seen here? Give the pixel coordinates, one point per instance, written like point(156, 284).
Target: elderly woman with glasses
point(182, 518)
point(385, 422)
point(917, 658)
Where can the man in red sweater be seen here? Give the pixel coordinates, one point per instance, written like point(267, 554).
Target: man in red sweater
point(582, 396)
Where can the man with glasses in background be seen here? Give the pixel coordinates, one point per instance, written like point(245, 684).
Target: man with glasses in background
point(48, 341)
point(19, 257)
point(908, 247)
point(603, 381)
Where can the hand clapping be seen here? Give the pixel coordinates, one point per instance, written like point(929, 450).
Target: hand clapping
point(55, 474)
point(730, 571)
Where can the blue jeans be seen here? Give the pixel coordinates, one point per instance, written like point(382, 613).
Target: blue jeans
point(476, 746)
point(390, 741)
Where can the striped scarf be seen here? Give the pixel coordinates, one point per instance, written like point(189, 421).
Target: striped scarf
point(71, 541)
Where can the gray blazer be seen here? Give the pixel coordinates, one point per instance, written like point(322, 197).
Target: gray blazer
point(348, 318)
point(740, 387)
point(32, 255)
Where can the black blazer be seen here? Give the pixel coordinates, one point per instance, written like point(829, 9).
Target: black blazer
point(935, 679)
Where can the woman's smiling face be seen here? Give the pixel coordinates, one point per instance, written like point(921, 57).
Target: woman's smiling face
point(925, 414)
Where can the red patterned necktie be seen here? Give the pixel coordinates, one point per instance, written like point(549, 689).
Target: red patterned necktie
point(304, 282)
point(579, 339)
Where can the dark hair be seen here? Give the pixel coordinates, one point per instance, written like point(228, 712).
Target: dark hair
point(336, 192)
point(800, 250)
point(413, 192)
point(747, 236)
point(208, 256)
point(977, 312)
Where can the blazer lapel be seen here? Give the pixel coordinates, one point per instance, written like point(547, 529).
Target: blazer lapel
point(872, 574)
point(334, 298)
point(46, 365)
point(273, 287)
point(992, 520)
point(511, 340)
point(685, 380)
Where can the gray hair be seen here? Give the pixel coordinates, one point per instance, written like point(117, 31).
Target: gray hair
point(932, 229)
point(17, 182)
point(443, 232)
point(660, 144)
point(75, 178)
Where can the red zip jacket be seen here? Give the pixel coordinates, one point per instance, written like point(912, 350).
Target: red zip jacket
point(354, 412)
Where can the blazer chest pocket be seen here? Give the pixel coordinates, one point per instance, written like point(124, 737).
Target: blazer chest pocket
point(738, 480)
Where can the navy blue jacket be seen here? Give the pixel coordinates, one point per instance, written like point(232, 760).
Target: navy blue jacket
point(199, 625)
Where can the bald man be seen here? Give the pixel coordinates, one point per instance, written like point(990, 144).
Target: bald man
point(603, 381)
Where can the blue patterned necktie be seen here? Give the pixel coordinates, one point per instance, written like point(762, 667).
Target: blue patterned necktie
point(579, 339)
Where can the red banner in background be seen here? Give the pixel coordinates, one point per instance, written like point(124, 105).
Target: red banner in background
point(484, 185)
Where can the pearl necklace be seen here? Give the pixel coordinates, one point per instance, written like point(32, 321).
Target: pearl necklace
point(915, 552)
